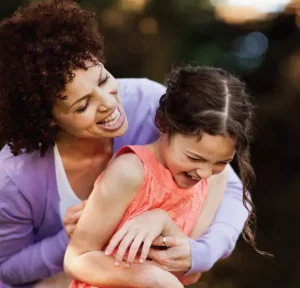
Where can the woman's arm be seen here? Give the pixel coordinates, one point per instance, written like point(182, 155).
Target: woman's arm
point(22, 261)
point(101, 216)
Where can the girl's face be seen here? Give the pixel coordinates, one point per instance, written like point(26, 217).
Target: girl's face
point(190, 159)
point(92, 108)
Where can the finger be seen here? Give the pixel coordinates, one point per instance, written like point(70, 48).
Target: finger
point(135, 260)
point(146, 248)
point(116, 239)
point(126, 241)
point(136, 244)
point(163, 260)
point(77, 207)
point(157, 241)
point(158, 255)
point(152, 263)
point(168, 241)
point(72, 218)
point(70, 229)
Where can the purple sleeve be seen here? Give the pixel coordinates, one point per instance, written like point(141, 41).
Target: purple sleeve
point(220, 238)
point(19, 265)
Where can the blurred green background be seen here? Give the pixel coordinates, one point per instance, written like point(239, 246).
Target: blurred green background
point(258, 40)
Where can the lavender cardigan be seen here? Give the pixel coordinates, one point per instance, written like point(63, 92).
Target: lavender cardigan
point(32, 238)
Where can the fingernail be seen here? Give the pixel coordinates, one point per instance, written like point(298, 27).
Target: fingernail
point(117, 263)
point(128, 264)
point(141, 260)
point(106, 252)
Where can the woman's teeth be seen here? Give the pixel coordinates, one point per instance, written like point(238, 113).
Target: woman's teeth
point(112, 119)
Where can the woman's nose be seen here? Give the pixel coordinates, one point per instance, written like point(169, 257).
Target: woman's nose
point(106, 99)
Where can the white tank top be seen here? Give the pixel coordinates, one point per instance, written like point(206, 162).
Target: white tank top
point(66, 194)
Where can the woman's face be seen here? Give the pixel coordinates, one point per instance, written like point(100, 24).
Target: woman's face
point(92, 108)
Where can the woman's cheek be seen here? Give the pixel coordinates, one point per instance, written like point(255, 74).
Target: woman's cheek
point(87, 119)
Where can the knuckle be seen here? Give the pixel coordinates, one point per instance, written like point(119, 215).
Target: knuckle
point(147, 243)
point(134, 247)
point(66, 220)
point(164, 259)
point(130, 223)
point(123, 246)
point(135, 230)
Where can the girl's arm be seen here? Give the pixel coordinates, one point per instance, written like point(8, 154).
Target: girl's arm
point(216, 188)
point(142, 230)
point(103, 212)
point(217, 185)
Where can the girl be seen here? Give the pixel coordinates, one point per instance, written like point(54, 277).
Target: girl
point(204, 119)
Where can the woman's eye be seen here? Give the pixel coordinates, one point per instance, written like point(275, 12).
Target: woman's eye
point(82, 109)
point(105, 80)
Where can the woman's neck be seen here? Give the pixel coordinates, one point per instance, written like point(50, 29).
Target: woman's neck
point(83, 147)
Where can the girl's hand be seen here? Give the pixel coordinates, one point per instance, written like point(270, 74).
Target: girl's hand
point(72, 216)
point(144, 229)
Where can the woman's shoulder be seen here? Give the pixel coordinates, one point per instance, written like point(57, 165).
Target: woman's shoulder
point(140, 99)
point(136, 89)
point(140, 94)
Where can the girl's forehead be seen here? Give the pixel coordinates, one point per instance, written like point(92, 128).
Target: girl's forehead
point(209, 146)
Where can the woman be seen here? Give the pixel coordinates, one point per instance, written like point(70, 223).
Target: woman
point(54, 109)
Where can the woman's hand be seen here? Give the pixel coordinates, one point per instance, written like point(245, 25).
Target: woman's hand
point(190, 279)
point(176, 258)
point(72, 216)
point(144, 228)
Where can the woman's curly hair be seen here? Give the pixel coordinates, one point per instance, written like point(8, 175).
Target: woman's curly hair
point(41, 45)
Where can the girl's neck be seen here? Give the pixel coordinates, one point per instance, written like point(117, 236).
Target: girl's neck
point(156, 148)
point(84, 148)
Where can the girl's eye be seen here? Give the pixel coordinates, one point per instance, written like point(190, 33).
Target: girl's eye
point(222, 163)
point(105, 80)
point(193, 159)
point(82, 109)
